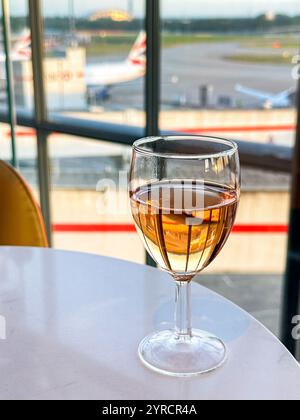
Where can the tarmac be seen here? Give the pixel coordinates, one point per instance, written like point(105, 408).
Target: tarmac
point(184, 68)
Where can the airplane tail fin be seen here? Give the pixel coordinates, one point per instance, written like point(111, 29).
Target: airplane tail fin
point(137, 55)
point(22, 48)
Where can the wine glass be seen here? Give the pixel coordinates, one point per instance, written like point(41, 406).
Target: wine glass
point(184, 193)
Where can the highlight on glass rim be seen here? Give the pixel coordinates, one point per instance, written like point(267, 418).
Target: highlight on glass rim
point(150, 212)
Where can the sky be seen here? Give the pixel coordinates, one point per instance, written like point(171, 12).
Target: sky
point(170, 8)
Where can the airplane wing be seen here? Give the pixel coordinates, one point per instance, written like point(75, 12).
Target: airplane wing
point(285, 94)
point(264, 96)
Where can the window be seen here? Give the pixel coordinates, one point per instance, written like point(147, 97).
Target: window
point(96, 61)
point(228, 70)
point(21, 54)
point(90, 208)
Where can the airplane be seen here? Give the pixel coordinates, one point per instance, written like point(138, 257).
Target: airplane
point(100, 78)
point(21, 50)
point(132, 68)
point(284, 99)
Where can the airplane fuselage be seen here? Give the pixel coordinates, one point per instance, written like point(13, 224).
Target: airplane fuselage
point(112, 74)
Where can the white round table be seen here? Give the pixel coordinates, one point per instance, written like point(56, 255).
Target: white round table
point(74, 322)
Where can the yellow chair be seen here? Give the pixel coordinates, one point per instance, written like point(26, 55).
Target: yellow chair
point(21, 221)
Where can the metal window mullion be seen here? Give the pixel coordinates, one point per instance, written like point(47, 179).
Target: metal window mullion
point(40, 109)
point(152, 83)
point(291, 292)
point(255, 155)
point(152, 87)
point(12, 114)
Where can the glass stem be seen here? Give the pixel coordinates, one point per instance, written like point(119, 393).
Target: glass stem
point(183, 310)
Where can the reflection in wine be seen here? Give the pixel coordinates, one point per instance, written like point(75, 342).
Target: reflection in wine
point(184, 224)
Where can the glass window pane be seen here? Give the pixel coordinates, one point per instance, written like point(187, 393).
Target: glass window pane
point(26, 147)
point(90, 200)
point(229, 69)
point(6, 150)
point(95, 60)
point(21, 56)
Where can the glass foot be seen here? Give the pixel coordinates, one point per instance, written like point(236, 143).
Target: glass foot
point(173, 355)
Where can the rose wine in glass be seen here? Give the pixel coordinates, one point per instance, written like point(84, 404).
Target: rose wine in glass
point(183, 239)
point(184, 194)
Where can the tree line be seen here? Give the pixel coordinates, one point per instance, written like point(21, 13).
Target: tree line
point(221, 25)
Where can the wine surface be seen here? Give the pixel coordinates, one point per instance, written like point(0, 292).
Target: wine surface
point(184, 224)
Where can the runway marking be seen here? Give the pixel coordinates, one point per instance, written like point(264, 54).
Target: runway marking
point(287, 127)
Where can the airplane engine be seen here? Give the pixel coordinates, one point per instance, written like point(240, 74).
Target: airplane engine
point(96, 96)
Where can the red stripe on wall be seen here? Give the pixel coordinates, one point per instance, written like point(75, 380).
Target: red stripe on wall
point(94, 228)
point(20, 133)
point(129, 228)
point(260, 229)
